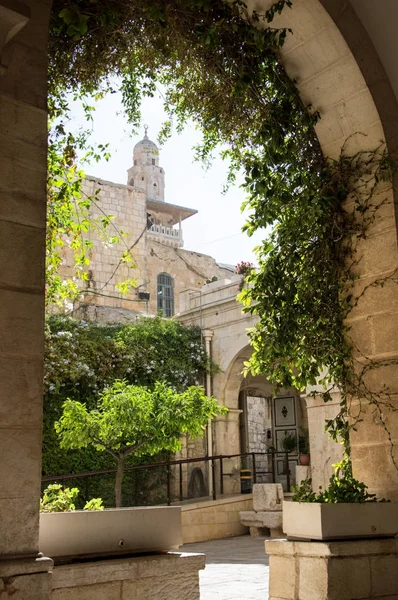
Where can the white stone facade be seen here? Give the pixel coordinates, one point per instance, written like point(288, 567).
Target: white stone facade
point(152, 232)
point(250, 425)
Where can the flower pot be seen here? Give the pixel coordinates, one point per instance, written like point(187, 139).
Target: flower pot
point(304, 460)
point(317, 521)
point(107, 532)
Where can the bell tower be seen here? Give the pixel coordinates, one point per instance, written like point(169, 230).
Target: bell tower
point(146, 175)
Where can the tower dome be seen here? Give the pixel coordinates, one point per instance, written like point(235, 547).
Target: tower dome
point(145, 143)
point(146, 175)
point(146, 152)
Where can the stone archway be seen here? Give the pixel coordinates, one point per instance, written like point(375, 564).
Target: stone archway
point(339, 72)
point(252, 401)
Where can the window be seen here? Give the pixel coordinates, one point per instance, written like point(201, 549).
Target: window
point(165, 294)
point(135, 162)
point(153, 161)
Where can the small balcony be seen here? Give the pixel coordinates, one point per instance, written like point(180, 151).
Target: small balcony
point(167, 235)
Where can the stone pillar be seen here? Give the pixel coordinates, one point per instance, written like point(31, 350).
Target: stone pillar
point(324, 451)
point(226, 441)
point(365, 569)
point(23, 149)
point(208, 336)
point(373, 332)
point(302, 473)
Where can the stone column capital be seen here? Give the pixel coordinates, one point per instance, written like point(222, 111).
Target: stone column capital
point(208, 334)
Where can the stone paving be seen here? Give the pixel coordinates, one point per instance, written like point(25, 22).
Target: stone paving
point(236, 568)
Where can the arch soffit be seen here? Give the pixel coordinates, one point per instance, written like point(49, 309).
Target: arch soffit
point(328, 76)
point(233, 373)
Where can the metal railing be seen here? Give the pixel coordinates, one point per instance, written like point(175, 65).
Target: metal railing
point(213, 460)
point(164, 230)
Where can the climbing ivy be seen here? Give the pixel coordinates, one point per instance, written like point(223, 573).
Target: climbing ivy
point(219, 64)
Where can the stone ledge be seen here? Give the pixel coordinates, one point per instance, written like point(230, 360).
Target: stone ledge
point(271, 519)
point(86, 573)
point(363, 547)
point(11, 567)
point(218, 502)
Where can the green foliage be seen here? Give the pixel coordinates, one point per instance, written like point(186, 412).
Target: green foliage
point(220, 67)
point(71, 223)
point(134, 420)
point(58, 499)
point(82, 358)
point(343, 487)
point(94, 504)
point(303, 441)
point(289, 443)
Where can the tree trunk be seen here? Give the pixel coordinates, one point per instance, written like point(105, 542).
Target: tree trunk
point(118, 482)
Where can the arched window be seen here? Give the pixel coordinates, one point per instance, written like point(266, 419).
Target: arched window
point(165, 294)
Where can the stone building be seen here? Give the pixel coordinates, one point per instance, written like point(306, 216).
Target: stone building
point(343, 54)
point(258, 418)
point(152, 229)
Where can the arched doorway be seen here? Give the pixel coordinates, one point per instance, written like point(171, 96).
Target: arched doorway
point(339, 72)
point(266, 417)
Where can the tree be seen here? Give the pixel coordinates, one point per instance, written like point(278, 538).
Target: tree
point(133, 419)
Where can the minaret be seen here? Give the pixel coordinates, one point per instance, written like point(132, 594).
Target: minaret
point(145, 175)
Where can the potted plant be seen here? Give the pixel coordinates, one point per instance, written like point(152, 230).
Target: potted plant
point(96, 531)
point(289, 443)
point(304, 448)
point(243, 268)
point(128, 419)
point(345, 510)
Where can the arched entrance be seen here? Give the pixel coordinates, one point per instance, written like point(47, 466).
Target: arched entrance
point(266, 417)
point(339, 72)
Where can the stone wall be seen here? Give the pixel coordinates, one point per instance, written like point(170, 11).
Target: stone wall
point(169, 576)
point(189, 269)
point(215, 519)
point(340, 570)
point(248, 398)
point(106, 270)
point(151, 256)
point(324, 451)
point(340, 74)
point(23, 148)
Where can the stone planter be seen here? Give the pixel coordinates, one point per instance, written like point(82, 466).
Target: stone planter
point(315, 521)
point(108, 532)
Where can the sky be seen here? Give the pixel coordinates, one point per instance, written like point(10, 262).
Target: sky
point(216, 229)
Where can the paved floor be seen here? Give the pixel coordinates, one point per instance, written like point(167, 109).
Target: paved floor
point(236, 568)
